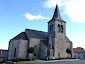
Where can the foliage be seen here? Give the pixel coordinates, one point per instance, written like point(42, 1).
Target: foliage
point(68, 50)
point(31, 50)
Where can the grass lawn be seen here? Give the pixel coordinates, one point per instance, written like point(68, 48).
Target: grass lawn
point(29, 62)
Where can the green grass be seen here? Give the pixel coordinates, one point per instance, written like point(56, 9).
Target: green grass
point(29, 62)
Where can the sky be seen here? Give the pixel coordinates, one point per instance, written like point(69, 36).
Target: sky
point(18, 15)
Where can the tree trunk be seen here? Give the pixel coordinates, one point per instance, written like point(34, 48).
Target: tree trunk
point(68, 55)
point(31, 58)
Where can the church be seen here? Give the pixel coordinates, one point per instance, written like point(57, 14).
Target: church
point(51, 44)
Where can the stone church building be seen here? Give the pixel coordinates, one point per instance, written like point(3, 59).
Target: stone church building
point(48, 44)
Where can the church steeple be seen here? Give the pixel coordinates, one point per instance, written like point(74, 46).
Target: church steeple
point(56, 14)
point(56, 34)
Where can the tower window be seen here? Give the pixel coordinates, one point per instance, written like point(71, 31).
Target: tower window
point(61, 28)
point(58, 27)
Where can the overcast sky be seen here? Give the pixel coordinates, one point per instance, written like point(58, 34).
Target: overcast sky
point(17, 15)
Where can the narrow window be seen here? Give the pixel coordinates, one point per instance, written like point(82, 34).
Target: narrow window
point(35, 53)
point(58, 55)
point(15, 52)
point(50, 27)
point(61, 28)
point(58, 27)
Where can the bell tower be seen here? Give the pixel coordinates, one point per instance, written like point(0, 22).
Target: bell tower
point(56, 34)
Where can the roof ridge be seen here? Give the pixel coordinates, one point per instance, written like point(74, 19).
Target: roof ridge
point(19, 34)
point(36, 34)
point(36, 30)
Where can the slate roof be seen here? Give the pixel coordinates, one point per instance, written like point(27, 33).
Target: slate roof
point(40, 34)
point(56, 15)
point(67, 40)
point(22, 35)
point(78, 50)
point(36, 34)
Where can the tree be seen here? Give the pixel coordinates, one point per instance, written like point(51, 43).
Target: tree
point(68, 51)
point(31, 50)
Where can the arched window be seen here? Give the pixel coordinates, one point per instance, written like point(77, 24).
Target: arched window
point(59, 28)
point(15, 52)
point(50, 27)
point(35, 53)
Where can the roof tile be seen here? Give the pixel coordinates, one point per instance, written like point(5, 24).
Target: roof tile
point(78, 50)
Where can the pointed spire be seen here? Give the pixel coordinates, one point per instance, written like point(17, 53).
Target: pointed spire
point(57, 14)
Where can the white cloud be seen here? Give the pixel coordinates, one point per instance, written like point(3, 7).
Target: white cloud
point(53, 3)
point(33, 17)
point(50, 3)
point(74, 9)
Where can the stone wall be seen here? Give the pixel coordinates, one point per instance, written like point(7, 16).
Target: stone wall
point(60, 48)
point(68, 45)
point(35, 42)
point(13, 44)
point(60, 42)
point(59, 39)
point(43, 50)
point(21, 48)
